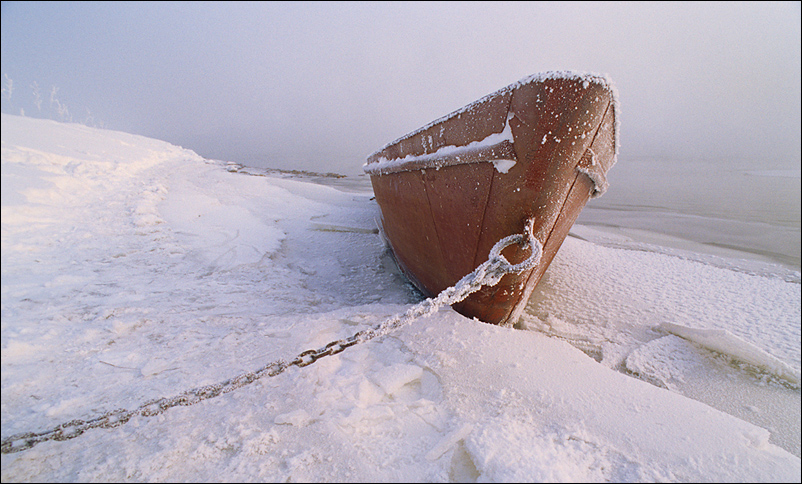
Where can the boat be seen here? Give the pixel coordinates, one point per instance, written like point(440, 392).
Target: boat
point(525, 158)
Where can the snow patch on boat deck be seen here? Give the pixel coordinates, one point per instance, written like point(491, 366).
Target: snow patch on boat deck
point(444, 154)
point(503, 166)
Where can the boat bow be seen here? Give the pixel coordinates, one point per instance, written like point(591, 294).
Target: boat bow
point(528, 155)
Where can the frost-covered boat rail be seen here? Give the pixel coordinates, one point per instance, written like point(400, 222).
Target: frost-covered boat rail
point(494, 147)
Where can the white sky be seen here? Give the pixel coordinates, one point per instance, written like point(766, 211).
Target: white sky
point(320, 86)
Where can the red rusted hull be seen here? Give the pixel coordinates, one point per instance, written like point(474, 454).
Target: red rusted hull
point(444, 202)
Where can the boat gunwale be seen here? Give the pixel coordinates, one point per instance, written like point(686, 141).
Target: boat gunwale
point(462, 155)
point(602, 79)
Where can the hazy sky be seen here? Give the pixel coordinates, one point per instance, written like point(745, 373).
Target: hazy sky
point(320, 86)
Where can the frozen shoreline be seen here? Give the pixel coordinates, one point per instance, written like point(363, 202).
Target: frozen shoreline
point(733, 239)
point(736, 259)
point(133, 269)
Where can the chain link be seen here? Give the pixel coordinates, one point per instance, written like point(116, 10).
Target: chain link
point(488, 273)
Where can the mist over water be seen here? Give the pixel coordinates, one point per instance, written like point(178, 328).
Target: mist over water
point(746, 205)
point(320, 85)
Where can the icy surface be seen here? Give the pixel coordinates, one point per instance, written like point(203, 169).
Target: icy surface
point(724, 342)
point(383, 164)
point(133, 269)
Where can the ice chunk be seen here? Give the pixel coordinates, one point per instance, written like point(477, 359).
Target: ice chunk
point(723, 341)
point(392, 378)
point(448, 442)
point(298, 418)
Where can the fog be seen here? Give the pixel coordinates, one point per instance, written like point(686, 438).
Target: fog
point(319, 86)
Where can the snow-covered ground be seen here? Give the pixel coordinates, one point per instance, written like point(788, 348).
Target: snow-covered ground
point(133, 270)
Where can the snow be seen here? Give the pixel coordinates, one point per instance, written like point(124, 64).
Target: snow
point(503, 166)
point(436, 159)
point(384, 165)
point(726, 343)
point(586, 77)
point(133, 270)
point(596, 175)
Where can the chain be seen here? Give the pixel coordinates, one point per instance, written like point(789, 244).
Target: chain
point(488, 273)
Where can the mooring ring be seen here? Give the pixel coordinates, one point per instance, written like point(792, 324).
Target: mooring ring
point(524, 240)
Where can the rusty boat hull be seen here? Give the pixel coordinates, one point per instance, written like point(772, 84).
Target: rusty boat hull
point(528, 155)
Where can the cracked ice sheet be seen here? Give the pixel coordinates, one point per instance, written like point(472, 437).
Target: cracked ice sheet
point(618, 306)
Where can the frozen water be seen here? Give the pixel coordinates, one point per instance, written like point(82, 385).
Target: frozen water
point(133, 269)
